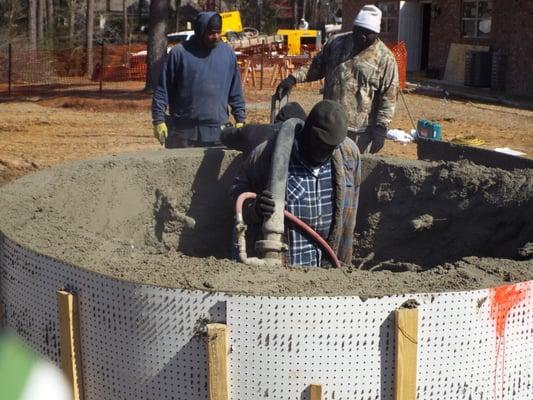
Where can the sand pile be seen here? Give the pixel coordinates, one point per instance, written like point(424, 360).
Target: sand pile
point(165, 218)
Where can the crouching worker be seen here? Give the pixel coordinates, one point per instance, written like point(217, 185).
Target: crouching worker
point(322, 187)
point(248, 137)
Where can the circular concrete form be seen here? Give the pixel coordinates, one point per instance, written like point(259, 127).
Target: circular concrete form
point(135, 236)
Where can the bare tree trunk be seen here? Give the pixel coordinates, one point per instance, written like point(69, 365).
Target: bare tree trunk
point(259, 25)
point(157, 41)
point(140, 13)
point(315, 11)
point(89, 36)
point(304, 6)
point(40, 20)
point(124, 22)
point(50, 17)
point(177, 22)
point(11, 21)
point(295, 7)
point(32, 23)
point(71, 21)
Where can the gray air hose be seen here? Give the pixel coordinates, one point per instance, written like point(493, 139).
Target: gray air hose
point(272, 245)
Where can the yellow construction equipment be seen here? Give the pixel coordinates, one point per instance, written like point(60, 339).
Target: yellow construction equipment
point(240, 37)
point(231, 22)
point(233, 32)
point(296, 39)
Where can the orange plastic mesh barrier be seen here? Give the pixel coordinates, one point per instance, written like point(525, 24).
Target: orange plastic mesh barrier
point(22, 71)
point(400, 52)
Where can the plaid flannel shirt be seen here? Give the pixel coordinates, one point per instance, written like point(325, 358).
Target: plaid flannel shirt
point(346, 171)
point(310, 198)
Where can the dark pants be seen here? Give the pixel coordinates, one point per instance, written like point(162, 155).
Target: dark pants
point(177, 135)
point(175, 142)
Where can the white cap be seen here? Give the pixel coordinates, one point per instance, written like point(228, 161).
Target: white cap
point(369, 17)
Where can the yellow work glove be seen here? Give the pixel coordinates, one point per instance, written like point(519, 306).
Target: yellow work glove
point(239, 125)
point(161, 132)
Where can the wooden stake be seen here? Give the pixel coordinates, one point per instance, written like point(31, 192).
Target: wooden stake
point(406, 353)
point(217, 361)
point(69, 340)
point(315, 391)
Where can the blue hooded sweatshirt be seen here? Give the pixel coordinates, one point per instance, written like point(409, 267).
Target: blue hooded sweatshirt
point(197, 84)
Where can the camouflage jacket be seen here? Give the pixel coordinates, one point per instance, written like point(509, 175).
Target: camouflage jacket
point(366, 84)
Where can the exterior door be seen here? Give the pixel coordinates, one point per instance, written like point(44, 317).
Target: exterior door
point(410, 32)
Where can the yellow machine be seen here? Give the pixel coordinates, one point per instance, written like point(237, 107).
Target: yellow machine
point(240, 37)
point(231, 22)
point(296, 38)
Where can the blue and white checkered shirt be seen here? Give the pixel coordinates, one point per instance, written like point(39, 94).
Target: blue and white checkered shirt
point(310, 197)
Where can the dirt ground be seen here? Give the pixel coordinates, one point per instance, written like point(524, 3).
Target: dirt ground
point(53, 127)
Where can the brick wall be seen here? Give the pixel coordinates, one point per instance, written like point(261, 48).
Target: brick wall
point(512, 30)
point(445, 28)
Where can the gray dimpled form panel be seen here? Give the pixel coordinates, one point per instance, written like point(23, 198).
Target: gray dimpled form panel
point(143, 342)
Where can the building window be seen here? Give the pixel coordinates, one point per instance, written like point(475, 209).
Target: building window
point(389, 19)
point(477, 18)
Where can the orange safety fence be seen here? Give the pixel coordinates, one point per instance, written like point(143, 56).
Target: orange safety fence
point(121, 63)
point(22, 71)
point(400, 53)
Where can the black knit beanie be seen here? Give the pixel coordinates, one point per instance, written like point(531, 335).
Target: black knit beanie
point(328, 120)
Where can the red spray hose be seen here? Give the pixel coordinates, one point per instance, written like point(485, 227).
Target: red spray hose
point(296, 221)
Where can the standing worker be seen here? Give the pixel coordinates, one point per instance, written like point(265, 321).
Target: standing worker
point(199, 79)
point(322, 186)
point(303, 24)
point(360, 73)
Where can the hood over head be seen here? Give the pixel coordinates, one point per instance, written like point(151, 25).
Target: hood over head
point(202, 21)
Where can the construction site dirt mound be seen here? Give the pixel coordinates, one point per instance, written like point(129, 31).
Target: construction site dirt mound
point(165, 218)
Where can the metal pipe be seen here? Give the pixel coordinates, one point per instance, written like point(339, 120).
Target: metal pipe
point(9, 63)
point(101, 68)
point(241, 227)
point(262, 64)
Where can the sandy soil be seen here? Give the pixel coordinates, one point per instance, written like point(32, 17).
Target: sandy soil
point(165, 218)
point(53, 127)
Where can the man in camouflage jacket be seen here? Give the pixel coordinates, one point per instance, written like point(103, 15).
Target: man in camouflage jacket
point(359, 72)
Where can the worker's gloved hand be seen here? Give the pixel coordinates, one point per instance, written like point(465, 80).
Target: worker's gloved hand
point(240, 124)
point(378, 134)
point(161, 132)
point(264, 204)
point(285, 87)
point(230, 137)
